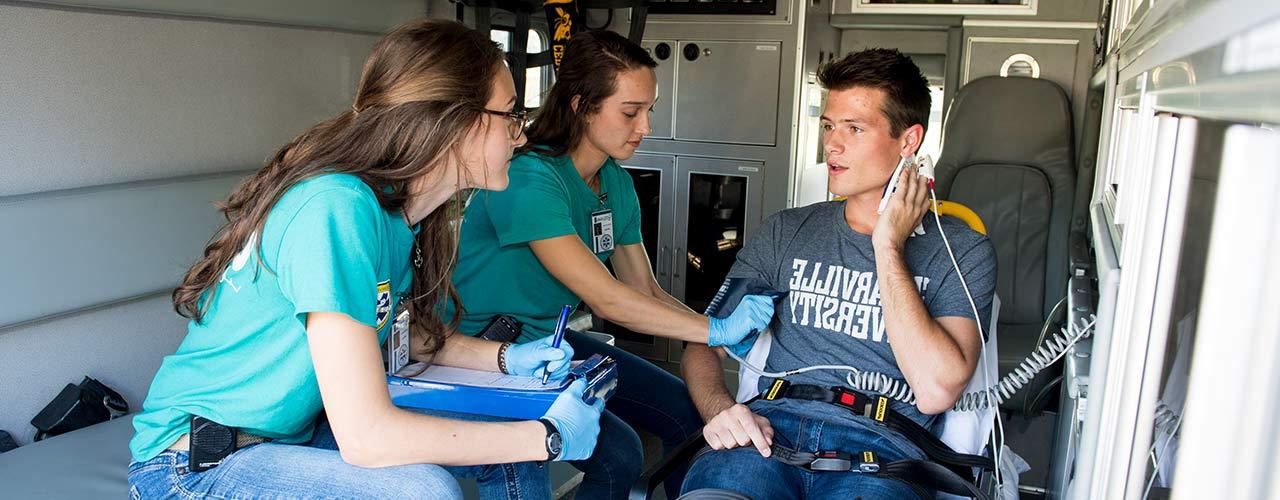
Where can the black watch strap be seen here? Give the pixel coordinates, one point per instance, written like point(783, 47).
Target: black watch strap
point(551, 430)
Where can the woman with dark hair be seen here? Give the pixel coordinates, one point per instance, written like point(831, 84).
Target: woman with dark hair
point(351, 221)
point(543, 243)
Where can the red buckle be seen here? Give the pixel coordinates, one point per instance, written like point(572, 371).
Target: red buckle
point(845, 398)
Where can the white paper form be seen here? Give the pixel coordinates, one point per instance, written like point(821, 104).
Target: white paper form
point(479, 378)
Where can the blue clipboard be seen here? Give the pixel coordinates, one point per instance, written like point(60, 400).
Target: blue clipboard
point(452, 391)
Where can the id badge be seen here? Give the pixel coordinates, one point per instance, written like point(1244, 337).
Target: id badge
point(398, 342)
point(602, 231)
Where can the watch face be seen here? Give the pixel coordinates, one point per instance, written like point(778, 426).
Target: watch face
point(553, 444)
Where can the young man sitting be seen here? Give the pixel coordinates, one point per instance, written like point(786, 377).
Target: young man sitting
point(863, 291)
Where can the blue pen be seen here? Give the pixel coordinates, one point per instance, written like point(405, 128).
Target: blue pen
point(555, 342)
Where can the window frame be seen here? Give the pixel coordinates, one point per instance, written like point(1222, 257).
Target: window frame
point(545, 77)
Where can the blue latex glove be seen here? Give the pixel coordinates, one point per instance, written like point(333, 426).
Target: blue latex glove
point(578, 422)
point(532, 358)
point(751, 316)
point(742, 348)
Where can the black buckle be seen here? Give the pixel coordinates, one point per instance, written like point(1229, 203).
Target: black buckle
point(777, 390)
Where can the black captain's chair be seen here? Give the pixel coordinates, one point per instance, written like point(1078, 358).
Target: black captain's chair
point(1008, 154)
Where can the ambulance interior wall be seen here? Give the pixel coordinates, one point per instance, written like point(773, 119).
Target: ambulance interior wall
point(117, 131)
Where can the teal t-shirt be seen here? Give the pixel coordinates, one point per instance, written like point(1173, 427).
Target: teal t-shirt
point(326, 246)
point(498, 273)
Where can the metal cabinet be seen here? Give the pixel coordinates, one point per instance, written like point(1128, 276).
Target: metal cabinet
point(664, 52)
point(695, 215)
point(717, 205)
point(710, 91)
point(654, 178)
point(727, 91)
point(718, 208)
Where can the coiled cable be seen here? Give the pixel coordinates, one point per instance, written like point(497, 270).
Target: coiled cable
point(1046, 354)
point(868, 381)
point(1165, 418)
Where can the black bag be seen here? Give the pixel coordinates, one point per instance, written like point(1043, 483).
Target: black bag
point(79, 406)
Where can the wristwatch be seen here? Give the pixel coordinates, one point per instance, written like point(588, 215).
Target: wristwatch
point(553, 439)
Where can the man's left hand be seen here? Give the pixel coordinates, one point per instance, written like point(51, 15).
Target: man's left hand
point(905, 211)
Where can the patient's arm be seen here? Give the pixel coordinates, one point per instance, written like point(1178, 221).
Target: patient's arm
point(728, 424)
point(937, 356)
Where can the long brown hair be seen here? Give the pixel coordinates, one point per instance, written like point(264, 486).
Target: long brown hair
point(422, 88)
point(589, 71)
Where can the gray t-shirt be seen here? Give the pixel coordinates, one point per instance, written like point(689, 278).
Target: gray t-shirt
point(832, 312)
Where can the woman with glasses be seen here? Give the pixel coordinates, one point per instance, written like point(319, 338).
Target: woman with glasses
point(344, 239)
point(543, 242)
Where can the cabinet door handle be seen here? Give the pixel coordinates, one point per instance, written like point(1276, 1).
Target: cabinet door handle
point(676, 262)
point(663, 263)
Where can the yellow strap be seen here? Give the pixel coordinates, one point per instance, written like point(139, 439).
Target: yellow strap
point(953, 209)
point(961, 212)
point(773, 391)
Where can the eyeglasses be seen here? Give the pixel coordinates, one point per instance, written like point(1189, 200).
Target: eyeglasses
point(515, 125)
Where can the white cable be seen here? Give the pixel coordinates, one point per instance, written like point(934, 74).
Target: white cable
point(998, 429)
point(1044, 355)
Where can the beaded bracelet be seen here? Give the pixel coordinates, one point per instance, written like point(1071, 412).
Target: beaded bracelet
point(502, 357)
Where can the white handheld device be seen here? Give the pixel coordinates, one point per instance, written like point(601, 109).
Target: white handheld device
point(892, 186)
point(922, 164)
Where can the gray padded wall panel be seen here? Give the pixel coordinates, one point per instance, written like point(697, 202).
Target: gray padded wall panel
point(374, 16)
point(79, 248)
point(122, 346)
point(116, 131)
point(94, 98)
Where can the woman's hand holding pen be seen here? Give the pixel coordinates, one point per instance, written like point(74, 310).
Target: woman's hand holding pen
point(532, 358)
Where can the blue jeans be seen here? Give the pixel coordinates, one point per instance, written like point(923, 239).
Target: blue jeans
point(316, 470)
point(745, 471)
point(649, 399)
point(513, 481)
point(273, 470)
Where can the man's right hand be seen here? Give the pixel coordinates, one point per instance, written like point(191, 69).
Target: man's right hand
point(737, 426)
point(578, 422)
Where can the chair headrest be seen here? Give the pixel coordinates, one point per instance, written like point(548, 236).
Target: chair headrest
point(1014, 120)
